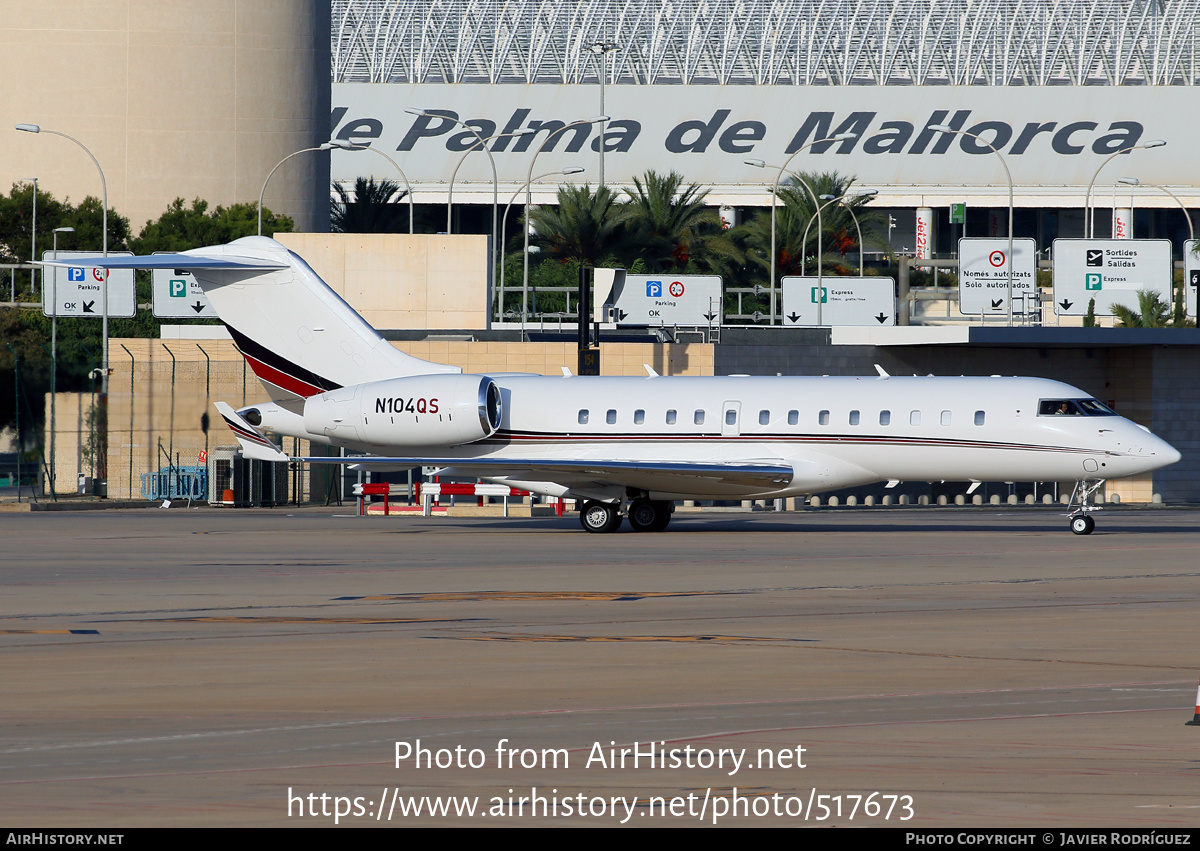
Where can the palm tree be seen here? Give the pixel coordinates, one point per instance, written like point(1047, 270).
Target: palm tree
point(671, 224)
point(1151, 312)
point(586, 226)
point(375, 208)
point(838, 237)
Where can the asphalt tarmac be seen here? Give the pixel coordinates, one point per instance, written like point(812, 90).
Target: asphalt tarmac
point(905, 668)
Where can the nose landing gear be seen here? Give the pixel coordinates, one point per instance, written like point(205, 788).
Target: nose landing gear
point(1081, 522)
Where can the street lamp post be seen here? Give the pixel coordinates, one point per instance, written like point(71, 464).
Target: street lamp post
point(1191, 243)
point(840, 137)
point(342, 145)
point(103, 417)
point(495, 178)
point(1133, 181)
point(601, 49)
point(54, 351)
point(324, 146)
point(504, 223)
point(1008, 258)
point(450, 194)
point(1090, 220)
point(33, 236)
point(529, 202)
point(830, 199)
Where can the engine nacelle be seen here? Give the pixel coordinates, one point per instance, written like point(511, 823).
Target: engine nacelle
point(420, 410)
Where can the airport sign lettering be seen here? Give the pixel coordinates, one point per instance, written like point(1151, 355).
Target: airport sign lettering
point(838, 300)
point(1110, 271)
point(79, 290)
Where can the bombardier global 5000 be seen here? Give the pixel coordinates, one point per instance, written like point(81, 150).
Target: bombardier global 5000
point(629, 447)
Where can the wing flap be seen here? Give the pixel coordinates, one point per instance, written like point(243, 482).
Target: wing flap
point(715, 479)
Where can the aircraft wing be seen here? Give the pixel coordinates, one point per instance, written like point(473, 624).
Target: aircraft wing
point(698, 478)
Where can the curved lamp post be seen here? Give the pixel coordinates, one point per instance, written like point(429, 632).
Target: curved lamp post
point(830, 199)
point(529, 201)
point(343, 145)
point(840, 137)
point(1133, 181)
point(495, 179)
point(1091, 219)
point(324, 146)
point(576, 169)
point(450, 194)
point(34, 128)
point(1008, 258)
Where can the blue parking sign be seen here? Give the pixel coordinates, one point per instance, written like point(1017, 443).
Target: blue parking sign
point(653, 289)
point(74, 274)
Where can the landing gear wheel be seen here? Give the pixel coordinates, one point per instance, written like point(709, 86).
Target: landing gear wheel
point(599, 517)
point(648, 515)
point(1082, 524)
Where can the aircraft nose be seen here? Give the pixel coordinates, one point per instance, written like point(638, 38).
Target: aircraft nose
point(1168, 453)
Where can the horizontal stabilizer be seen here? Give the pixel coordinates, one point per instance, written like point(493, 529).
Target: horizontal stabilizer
point(184, 262)
point(253, 444)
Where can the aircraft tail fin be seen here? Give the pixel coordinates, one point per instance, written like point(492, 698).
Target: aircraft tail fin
point(298, 335)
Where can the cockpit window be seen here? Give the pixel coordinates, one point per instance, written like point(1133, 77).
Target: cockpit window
point(1074, 408)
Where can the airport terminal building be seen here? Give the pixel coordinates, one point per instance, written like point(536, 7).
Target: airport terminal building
point(700, 86)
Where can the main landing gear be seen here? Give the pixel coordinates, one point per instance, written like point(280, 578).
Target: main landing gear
point(1081, 518)
point(600, 516)
point(645, 515)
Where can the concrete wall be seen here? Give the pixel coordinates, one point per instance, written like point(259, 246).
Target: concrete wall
point(175, 98)
point(402, 281)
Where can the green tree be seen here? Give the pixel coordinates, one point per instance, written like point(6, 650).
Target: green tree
point(838, 237)
point(180, 227)
point(1151, 312)
point(586, 226)
point(16, 222)
point(375, 208)
point(671, 225)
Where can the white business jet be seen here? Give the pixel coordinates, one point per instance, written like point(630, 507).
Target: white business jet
point(631, 446)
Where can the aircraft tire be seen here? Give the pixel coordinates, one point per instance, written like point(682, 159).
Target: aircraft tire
point(649, 516)
point(597, 517)
point(1082, 524)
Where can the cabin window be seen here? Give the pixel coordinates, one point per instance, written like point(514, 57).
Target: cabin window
point(979, 417)
point(764, 417)
point(823, 418)
point(793, 417)
point(671, 416)
point(885, 417)
point(945, 418)
point(854, 418)
point(731, 417)
point(583, 416)
point(914, 418)
point(639, 417)
point(611, 416)
point(698, 419)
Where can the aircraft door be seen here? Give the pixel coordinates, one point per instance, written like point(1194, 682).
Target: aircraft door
point(731, 419)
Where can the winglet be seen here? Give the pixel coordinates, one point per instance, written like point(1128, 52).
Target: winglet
point(650, 373)
point(882, 372)
point(253, 444)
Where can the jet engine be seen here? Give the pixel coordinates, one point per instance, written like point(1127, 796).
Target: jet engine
point(418, 410)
